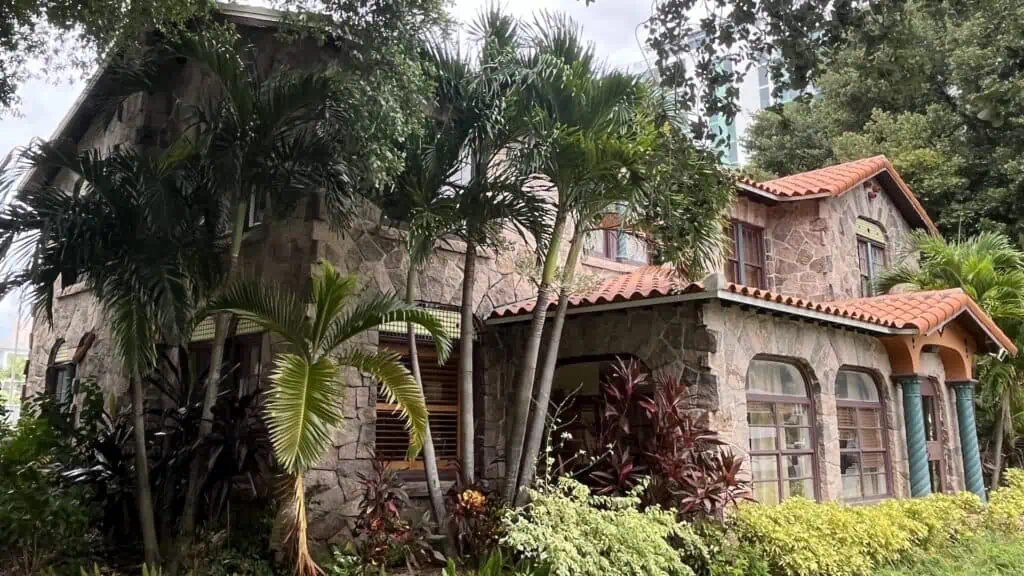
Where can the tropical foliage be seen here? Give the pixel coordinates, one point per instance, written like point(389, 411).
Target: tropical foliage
point(990, 269)
point(305, 399)
point(933, 84)
point(149, 284)
point(572, 533)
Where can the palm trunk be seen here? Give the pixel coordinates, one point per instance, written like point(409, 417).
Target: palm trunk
point(997, 456)
point(524, 388)
point(145, 492)
point(433, 479)
point(223, 322)
point(466, 434)
point(535, 434)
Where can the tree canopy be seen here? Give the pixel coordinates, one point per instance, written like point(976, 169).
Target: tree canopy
point(933, 84)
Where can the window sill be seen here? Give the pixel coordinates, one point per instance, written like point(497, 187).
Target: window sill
point(76, 288)
point(613, 265)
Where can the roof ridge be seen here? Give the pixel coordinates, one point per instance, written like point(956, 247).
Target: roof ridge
point(913, 293)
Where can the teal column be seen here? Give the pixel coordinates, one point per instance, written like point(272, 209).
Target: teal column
point(969, 436)
point(917, 448)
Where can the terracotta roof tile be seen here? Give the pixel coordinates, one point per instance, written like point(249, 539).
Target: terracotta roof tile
point(644, 282)
point(920, 311)
point(837, 180)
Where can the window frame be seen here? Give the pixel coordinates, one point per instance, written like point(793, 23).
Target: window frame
point(737, 255)
point(859, 405)
point(425, 352)
point(774, 400)
point(608, 248)
point(870, 246)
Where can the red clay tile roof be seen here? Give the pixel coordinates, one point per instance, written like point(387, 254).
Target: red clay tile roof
point(920, 311)
point(837, 180)
point(644, 282)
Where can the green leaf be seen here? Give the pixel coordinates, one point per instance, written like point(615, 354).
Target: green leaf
point(303, 406)
point(399, 388)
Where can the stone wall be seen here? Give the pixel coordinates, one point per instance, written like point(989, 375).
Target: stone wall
point(669, 338)
point(811, 245)
point(819, 351)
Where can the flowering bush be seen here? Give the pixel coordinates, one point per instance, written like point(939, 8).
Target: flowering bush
point(572, 533)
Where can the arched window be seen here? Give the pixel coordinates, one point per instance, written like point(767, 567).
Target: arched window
point(781, 446)
point(863, 459)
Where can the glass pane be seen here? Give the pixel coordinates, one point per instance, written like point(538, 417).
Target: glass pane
point(763, 439)
point(851, 385)
point(803, 488)
point(871, 440)
point(794, 414)
point(764, 468)
point(850, 468)
point(798, 438)
point(875, 485)
point(865, 286)
point(847, 417)
point(873, 463)
point(730, 272)
point(862, 256)
point(935, 473)
point(848, 440)
point(766, 492)
point(931, 428)
point(760, 414)
point(877, 260)
point(798, 466)
point(752, 276)
point(777, 378)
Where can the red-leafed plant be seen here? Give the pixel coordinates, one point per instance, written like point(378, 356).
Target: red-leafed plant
point(386, 539)
point(650, 427)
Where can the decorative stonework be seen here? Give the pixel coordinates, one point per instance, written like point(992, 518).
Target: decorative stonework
point(819, 351)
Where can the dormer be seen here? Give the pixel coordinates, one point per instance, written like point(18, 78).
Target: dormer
point(823, 234)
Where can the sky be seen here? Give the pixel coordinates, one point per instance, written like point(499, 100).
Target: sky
point(612, 25)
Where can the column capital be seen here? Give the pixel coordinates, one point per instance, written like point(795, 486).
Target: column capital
point(900, 379)
point(970, 383)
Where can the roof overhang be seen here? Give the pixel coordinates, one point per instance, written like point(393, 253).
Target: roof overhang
point(893, 184)
point(726, 297)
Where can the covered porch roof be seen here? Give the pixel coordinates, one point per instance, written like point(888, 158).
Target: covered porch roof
point(924, 313)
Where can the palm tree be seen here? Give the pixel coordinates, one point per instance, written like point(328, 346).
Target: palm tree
point(420, 199)
point(265, 138)
point(990, 269)
point(304, 402)
point(478, 121)
point(134, 229)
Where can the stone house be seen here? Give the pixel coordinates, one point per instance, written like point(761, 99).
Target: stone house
point(831, 391)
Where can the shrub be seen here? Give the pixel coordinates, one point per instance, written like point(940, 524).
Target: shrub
point(474, 518)
point(1006, 504)
point(44, 525)
point(386, 538)
point(803, 538)
point(573, 533)
point(665, 437)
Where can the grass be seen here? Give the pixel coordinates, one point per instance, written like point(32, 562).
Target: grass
point(984, 555)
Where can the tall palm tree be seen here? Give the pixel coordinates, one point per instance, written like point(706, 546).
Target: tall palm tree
point(990, 269)
point(479, 120)
point(420, 198)
point(304, 402)
point(135, 230)
point(266, 138)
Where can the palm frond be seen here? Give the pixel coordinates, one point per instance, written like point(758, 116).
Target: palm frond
point(303, 406)
point(379, 311)
point(400, 388)
point(272, 307)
